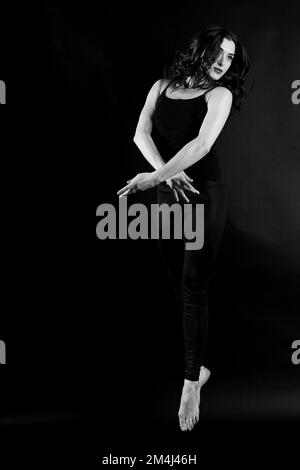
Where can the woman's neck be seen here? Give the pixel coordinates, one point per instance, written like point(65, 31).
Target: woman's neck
point(190, 81)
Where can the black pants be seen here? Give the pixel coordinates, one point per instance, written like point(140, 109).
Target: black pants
point(190, 270)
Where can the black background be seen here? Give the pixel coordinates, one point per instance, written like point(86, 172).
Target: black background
point(93, 358)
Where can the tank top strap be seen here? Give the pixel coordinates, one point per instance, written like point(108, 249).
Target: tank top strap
point(165, 88)
point(209, 89)
point(163, 91)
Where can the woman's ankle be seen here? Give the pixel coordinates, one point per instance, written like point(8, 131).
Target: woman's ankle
point(191, 383)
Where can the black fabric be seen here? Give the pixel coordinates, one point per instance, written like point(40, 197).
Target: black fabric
point(175, 123)
point(191, 270)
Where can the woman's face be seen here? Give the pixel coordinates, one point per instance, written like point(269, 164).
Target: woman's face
point(224, 59)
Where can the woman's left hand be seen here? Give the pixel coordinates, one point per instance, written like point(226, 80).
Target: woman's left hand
point(141, 181)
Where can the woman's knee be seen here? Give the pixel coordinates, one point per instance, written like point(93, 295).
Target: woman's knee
point(195, 287)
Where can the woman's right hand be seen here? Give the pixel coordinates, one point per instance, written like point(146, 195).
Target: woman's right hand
point(180, 182)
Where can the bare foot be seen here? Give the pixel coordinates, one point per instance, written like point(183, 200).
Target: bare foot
point(190, 400)
point(203, 378)
point(204, 375)
point(189, 405)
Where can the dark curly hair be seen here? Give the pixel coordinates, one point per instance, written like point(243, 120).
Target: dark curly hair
point(200, 53)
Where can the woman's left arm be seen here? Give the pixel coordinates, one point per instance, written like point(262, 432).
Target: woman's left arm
point(219, 105)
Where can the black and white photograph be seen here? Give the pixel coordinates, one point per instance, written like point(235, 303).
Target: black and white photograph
point(168, 334)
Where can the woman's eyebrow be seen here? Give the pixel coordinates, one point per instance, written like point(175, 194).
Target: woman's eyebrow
point(230, 53)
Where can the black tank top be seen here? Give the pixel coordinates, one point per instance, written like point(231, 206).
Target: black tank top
point(175, 123)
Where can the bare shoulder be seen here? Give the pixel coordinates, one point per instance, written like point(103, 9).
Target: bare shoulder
point(161, 84)
point(220, 92)
point(156, 88)
point(153, 94)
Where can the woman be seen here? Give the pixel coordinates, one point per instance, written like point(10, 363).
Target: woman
point(183, 115)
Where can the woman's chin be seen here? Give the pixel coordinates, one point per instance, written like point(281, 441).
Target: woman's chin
point(214, 76)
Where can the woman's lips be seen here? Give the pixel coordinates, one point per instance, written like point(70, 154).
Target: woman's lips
point(217, 70)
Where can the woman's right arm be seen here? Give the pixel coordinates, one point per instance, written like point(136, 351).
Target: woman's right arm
point(142, 137)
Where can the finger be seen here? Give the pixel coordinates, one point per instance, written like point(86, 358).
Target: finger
point(131, 190)
point(184, 184)
point(184, 195)
point(190, 179)
point(124, 189)
point(190, 187)
point(125, 194)
point(175, 194)
point(132, 180)
point(194, 190)
point(177, 184)
point(181, 184)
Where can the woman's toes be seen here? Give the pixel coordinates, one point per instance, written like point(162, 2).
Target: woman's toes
point(183, 425)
